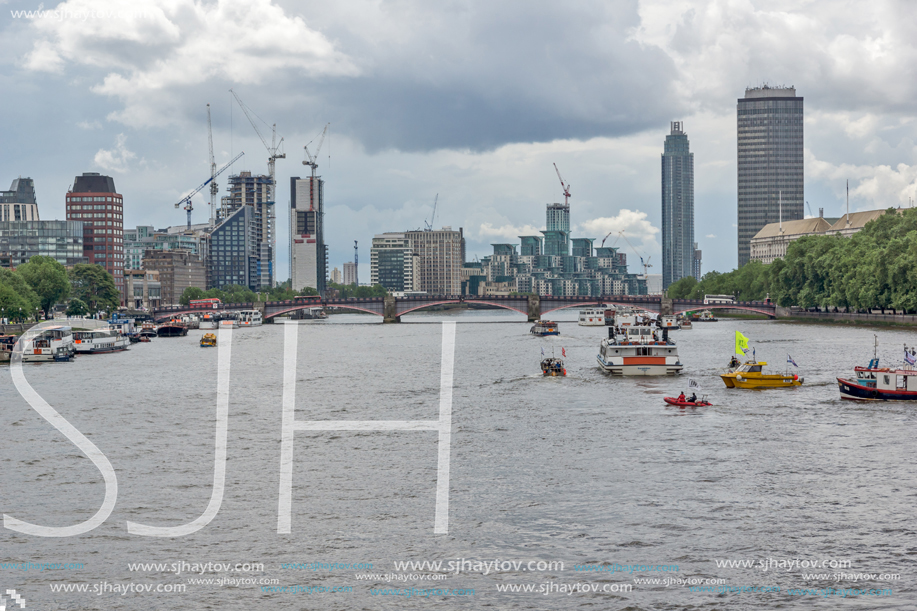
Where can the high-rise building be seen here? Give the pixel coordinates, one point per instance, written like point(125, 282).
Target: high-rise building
point(336, 277)
point(233, 257)
point(677, 206)
point(22, 240)
point(531, 245)
point(256, 192)
point(557, 230)
point(94, 201)
point(391, 262)
point(770, 161)
point(136, 241)
point(308, 252)
point(696, 270)
point(350, 273)
point(440, 259)
point(19, 203)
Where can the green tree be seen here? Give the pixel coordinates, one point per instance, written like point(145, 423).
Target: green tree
point(77, 307)
point(192, 292)
point(681, 289)
point(95, 286)
point(48, 279)
point(13, 305)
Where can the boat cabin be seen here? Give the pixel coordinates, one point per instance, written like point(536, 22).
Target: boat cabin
point(902, 379)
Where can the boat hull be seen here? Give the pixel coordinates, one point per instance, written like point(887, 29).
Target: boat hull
point(852, 391)
point(676, 402)
point(637, 366)
point(170, 330)
point(762, 382)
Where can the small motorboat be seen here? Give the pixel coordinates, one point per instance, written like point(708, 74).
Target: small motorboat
point(209, 340)
point(544, 327)
point(686, 403)
point(553, 367)
point(751, 375)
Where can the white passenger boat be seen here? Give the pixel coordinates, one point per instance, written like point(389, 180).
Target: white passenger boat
point(250, 318)
point(208, 321)
point(98, 341)
point(229, 323)
point(592, 317)
point(638, 350)
point(48, 344)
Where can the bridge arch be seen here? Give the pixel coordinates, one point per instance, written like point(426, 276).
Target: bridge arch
point(309, 306)
point(759, 308)
point(651, 307)
point(492, 304)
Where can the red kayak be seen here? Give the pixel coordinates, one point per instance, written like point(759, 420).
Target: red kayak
point(674, 401)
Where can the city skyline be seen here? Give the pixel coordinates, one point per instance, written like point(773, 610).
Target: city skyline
point(491, 163)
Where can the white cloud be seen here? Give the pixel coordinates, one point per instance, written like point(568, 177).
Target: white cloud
point(879, 186)
point(509, 232)
point(174, 44)
point(115, 160)
point(710, 235)
point(633, 223)
point(89, 125)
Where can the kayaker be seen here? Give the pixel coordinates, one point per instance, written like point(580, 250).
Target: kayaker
point(681, 397)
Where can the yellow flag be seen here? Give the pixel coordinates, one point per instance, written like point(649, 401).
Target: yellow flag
point(741, 343)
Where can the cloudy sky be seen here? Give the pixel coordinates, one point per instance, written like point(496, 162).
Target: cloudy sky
point(473, 100)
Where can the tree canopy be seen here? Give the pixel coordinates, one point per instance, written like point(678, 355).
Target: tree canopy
point(95, 286)
point(47, 278)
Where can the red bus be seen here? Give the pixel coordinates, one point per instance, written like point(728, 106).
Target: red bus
point(205, 304)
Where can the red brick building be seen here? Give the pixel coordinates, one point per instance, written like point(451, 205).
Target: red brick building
point(94, 201)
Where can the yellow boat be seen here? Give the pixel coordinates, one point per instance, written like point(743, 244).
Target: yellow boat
point(208, 340)
point(749, 375)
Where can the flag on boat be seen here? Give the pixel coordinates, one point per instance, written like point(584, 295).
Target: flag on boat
point(693, 385)
point(909, 358)
point(741, 343)
point(789, 359)
point(563, 351)
point(542, 351)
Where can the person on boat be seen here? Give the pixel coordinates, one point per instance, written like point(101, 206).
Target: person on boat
point(733, 362)
point(693, 398)
point(681, 397)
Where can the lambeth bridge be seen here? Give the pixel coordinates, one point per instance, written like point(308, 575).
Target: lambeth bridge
point(391, 309)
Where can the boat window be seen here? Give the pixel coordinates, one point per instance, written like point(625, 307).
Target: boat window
point(754, 368)
point(887, 380)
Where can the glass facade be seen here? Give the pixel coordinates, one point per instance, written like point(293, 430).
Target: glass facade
point(61, 240)
point(770, 161)
point(233, 255)
point(677, 207)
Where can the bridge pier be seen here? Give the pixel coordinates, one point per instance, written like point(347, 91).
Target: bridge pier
point(259, 305)
point(390, 311)
point(534, 308)
point(666, 307)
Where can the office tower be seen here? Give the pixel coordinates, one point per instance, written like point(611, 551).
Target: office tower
point(770, 161)
point(439, 260)
point(696, 271)
point(255, 192)
point(391, 262)
point(531, 245)
point(19, 203)
point(677, 207)
point(22, 240)
point(233, 257)
point(308, 252)
point(94, 201)
point(350, 273)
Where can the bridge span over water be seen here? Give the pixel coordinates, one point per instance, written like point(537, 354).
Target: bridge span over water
point(391, 309)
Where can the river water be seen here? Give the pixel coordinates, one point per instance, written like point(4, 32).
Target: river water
point(582, 470)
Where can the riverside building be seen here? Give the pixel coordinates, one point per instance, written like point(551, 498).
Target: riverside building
point(94, 202)
point(308, 252)
point(770, 161)
point(19, 203)
point(255, 192)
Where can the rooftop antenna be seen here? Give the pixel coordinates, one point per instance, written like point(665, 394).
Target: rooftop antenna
point(848, 202)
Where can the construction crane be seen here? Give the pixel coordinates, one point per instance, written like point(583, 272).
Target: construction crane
point(605, 238)
point(646, 264)
point(186, 200)
point(563, 185)
point(810, 208)
point(312, 160)
point(214, 189)
point(429, 226)
point(356, 265)
point(273, 155)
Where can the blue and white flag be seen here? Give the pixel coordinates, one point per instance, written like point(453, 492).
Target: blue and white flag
point(909, 358)
point(542, 351)
point(789, 359)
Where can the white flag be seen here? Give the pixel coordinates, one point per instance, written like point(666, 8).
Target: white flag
point(693, 385)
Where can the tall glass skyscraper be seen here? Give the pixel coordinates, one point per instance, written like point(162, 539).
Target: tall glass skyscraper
point(770, 161)
point(677, 207)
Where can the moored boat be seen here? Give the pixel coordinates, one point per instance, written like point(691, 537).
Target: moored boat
point(209, 340)
point(685, 323)
point(544, 327)
point(6, 347)
point(705, 316)
point(638, 350)
point(750, 375)
point(97, 341)
point(147, 330)
point(172, 328)
point(250, 318)
point(48, 345)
